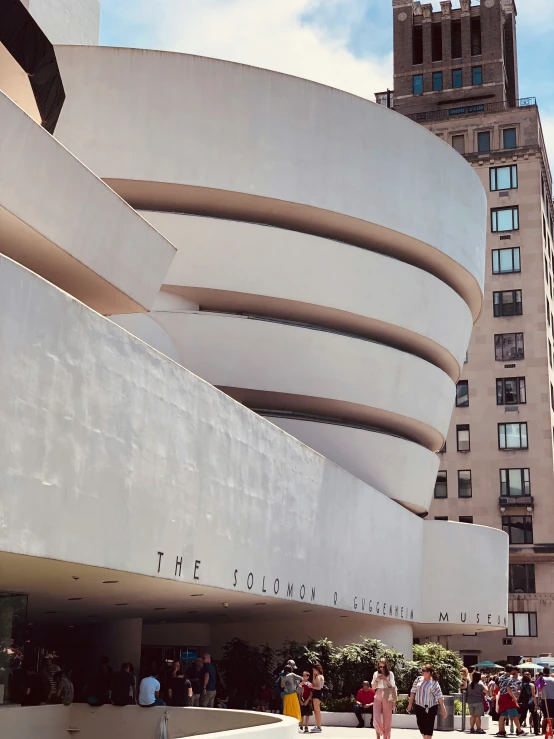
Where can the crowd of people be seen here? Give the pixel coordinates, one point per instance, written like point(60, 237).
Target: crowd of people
point(513, 697)
point(302, 694)
point(161, 685)
point(510, 697)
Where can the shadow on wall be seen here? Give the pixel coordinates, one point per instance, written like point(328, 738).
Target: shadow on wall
point(110, 722)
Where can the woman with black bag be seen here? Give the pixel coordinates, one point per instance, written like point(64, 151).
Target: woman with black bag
point(528, 702)
point(426, 693)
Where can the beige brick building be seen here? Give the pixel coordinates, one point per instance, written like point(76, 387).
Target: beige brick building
point(455, 72)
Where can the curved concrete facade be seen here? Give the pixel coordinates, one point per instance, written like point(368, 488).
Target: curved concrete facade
point(311, 285)
point(244, 267)
point(282, 366)
point(385, 462)
point(181, 483)
point(86, 240)
point(315, 172)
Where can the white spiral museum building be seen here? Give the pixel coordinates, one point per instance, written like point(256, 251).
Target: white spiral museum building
point(234, 306)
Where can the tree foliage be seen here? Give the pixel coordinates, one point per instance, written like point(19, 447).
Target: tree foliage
point(246, 668)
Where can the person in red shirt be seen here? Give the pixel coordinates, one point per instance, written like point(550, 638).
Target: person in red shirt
point(306, 708)
point(364, 704)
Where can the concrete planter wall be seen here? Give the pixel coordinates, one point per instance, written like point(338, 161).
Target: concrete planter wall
point(399, 720)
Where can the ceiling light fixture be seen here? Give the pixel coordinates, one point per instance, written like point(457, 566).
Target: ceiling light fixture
point(74, 577)
point(109, 582)
point(71, 627)
point(74, 599)
point(192, 611)
point(50, 612)
point(309, 610)
point(196, 595)
point(159, 609)
point(343, 616)
point(260, 604)
point(122, 604)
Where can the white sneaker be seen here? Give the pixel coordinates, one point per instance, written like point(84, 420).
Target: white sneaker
point(315, 730)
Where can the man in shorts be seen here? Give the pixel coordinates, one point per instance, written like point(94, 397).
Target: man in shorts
point(507, 702)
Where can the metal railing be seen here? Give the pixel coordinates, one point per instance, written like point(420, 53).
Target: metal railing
point(467, 110)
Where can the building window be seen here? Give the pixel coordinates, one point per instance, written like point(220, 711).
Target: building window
point(436, 43)
point(504, 219)
point(456, 28)
point(462, 394)
point(503, 178)
point(464, 484)
point(512, 436)
point(522, 579)
point(484, 141)
point(509, 138)
point(437, 81)
point(477, 75)
point(475, 31)
point(508, 347)
point(506, 261)
point(466, 519)
point(441, 518)
point(418, 84)
point(457, 78)
point(417, 47)
point(522, 624)
point(507, 303)
point(462, 438)
point(518, 528)
point(514, 483)
point(459, 144)
point(510, 391)
point(441, 487)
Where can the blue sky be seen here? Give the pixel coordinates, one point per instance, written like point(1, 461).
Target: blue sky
point(342, 43)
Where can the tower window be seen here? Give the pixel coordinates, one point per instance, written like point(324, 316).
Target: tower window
point(437, 81)
point(418, 84)
point(417, 45)
point(457, 78)
point(456, 39)
point(509, 138)
point(436, 42)
point(476, 37)
point(477, 75)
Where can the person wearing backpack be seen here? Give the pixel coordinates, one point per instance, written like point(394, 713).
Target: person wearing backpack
point(528, 702)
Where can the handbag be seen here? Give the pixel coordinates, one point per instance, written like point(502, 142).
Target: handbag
point(390, 695)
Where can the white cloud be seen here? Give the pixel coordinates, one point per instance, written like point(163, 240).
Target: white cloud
point(264, 33)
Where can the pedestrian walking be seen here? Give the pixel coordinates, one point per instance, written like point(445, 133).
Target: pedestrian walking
point(383, 680)
point(528, 703)
point(426, 695)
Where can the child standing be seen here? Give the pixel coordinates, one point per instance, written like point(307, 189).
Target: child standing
point(306, 709)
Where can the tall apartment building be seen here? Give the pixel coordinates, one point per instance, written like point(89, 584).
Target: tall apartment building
point(455, 72)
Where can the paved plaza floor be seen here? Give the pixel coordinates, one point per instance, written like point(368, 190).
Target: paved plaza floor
point(331, 732)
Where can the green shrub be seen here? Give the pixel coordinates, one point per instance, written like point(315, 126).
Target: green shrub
point(402, 705)
point(458, 708)
point(448, 665)
point(338, 705)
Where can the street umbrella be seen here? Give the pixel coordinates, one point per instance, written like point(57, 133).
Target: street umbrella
point(529, 666)
point(491, 665)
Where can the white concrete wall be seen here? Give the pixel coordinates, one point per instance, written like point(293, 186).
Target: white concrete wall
point(453, 554)
point(234, 134)
point(67, 21)
point(388, 387)
point(404, 471)
point(60, 220)
point(103, 437)
point(316, 276)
